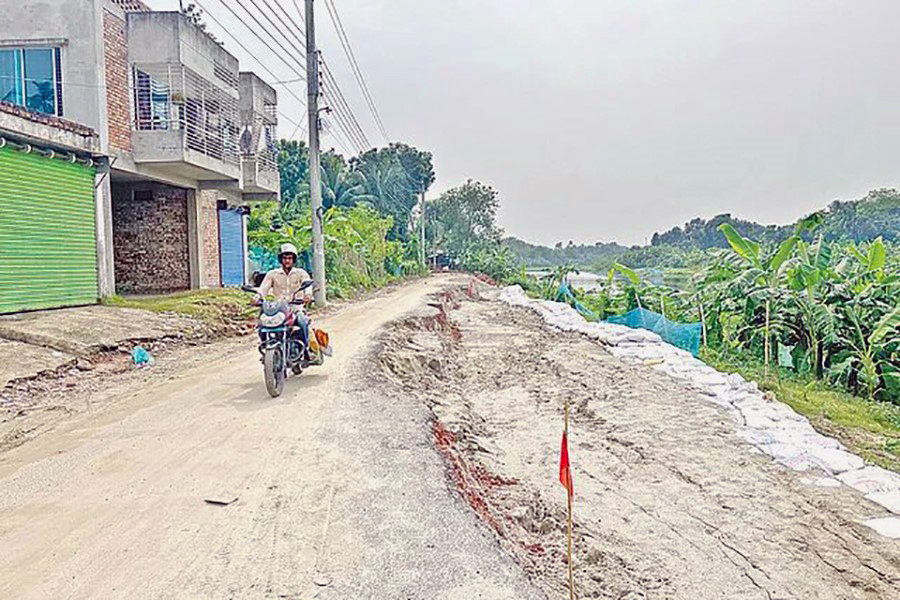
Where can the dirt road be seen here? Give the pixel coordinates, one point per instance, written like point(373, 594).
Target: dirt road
point(339, 491)
point(419, 463)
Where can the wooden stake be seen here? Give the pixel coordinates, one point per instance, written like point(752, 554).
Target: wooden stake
point(702, 322)
point(569, 497)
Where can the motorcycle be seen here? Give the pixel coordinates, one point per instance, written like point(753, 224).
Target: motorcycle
point(282, 346)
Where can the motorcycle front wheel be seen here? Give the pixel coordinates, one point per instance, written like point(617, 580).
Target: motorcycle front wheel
point(273, 368)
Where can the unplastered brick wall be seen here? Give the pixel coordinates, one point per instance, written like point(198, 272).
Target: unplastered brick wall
point(209, 219)
point(118, 107)
point(150, 239)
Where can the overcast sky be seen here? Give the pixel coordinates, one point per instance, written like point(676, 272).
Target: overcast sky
point(607, 120)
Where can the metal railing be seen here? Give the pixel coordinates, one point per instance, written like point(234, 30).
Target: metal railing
point(171, 97)
point(259, 139)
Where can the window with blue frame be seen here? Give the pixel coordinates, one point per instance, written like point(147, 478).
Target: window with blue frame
point(32, 78)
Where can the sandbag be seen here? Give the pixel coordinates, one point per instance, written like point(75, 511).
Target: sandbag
point(871, 479)
point(889, 527)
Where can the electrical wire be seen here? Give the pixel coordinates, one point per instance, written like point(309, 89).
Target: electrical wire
point(258, 61)
point(328, 76)
point(354, 65)
point(341, 125)
point(260, 38)
point(342, 120)
point(299, 31)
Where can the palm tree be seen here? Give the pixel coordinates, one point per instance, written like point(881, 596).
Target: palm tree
point(341, 186)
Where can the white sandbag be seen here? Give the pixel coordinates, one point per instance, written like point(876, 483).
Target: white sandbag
point(803, 462)
point(824, 482)
point(706, 378)
point(835, 461)
point(759, 437)
point(889, 500)
point(802, 438)
point(871, 479)
point(757, 419)
point(735, 380)
point(889, 527)
point(515, 296)
point(780, 451)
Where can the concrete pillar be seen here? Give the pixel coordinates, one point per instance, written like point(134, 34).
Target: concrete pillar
point(195, 238)
point(106, 272)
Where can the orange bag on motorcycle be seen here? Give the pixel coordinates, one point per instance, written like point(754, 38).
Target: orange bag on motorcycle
point(322, 338)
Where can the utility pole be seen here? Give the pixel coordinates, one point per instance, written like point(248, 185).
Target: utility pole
point(315, 175)
point(422, 239)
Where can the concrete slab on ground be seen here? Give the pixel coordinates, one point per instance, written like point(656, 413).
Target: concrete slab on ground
point(18, 360)
point(88, 329)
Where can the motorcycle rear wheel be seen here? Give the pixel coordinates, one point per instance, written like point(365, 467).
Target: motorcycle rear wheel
point(273, 369)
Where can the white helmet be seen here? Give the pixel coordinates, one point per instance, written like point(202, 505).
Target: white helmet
point(287, 249)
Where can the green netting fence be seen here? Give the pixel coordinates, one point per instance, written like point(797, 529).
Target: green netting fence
point(682, 335)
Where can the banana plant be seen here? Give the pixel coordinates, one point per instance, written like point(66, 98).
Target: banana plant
point(809, 277)
point(761, 274)
point(867, 356)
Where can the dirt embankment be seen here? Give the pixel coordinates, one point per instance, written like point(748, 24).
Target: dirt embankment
point(669, 502)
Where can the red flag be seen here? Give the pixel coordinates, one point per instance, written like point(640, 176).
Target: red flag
point(565, 472)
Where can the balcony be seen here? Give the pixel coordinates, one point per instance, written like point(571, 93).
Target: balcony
point(259, 154)
point(185, 118)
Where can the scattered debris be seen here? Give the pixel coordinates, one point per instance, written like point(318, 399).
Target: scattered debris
point(223, 501)
point(141, 357)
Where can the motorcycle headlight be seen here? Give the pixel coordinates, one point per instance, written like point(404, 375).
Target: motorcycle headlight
point(275, 320)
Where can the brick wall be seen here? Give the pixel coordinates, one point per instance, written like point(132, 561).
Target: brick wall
point(150, 238)
point(118, 102)
point(209, 221)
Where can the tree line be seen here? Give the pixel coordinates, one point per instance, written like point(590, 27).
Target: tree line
point(372, 216)
point(686, 246)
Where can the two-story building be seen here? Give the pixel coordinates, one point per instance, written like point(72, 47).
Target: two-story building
point(188, 136)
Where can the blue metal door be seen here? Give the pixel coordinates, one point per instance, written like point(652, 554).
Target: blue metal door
point(231, 247)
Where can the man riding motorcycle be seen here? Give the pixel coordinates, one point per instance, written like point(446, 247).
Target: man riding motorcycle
point(284, 284)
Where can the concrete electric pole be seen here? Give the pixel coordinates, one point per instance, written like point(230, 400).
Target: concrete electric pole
point(315, 175)
point(422, 240)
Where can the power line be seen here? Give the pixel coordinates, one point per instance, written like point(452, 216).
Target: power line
point(251, 54)
point(340, 123)
point(341, 101)
point(354, 65)
point(276, 28)
point(344, 117)
point(341, 142)
point(260, 38)
point(299, 30)
point(343, 121)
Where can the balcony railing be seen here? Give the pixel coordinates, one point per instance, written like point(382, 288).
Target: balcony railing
point(259, 151)
point(170, 98)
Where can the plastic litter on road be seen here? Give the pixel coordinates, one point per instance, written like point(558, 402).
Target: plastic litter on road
point(141, 357)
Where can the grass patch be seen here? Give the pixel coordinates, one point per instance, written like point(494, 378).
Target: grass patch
point(215, 307)
point(868, 428)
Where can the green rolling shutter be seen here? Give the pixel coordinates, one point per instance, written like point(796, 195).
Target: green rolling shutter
point(48, 252)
